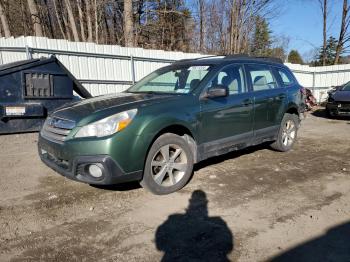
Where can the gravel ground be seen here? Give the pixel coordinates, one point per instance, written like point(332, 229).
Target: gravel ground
point(251, 205)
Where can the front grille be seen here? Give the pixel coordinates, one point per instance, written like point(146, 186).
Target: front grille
point(57, 129)
point(343, 105)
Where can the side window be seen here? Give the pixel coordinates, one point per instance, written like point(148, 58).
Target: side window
point(232, 77)
point(261, 77)
point(286, 77)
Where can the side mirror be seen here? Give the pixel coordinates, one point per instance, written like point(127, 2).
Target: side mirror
point(217, 91)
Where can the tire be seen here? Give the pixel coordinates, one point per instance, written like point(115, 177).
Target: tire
point(330, 114)
point(287, 133)
point(168, 166)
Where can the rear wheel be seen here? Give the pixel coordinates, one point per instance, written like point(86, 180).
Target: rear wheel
point(168, 165)
point(287, 134)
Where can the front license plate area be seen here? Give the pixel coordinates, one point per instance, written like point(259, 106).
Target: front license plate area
point(15, 110)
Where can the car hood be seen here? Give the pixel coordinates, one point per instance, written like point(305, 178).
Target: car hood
point(107, 105)
point(341, 96)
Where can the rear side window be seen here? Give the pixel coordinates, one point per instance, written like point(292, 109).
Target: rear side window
point(286, 77)
point(261, 77)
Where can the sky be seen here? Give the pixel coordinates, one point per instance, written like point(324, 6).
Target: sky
point(301, 21)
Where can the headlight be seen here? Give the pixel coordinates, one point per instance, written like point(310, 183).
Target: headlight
point(108, 125)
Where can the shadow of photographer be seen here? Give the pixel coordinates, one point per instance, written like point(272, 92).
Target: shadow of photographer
point(194, 236)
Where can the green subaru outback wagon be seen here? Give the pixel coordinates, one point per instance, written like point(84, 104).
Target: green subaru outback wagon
point(181, 114)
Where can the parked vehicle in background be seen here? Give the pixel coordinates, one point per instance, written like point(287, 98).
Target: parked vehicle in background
point(181, 114)
point(338, 102)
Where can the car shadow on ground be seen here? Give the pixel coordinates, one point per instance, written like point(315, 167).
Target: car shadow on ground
point(194, 236)
point(119, 187)
point(231, 155)
point(321, 112)
point(333, 246)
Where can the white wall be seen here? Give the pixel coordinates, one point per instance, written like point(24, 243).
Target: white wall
point(101, 63)
point(89, 61)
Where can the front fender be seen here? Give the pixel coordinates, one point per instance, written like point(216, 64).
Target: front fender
point(154, 126)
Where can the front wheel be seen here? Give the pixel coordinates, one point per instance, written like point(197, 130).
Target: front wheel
point(287, 134)
point(168, 166)
point(330, 114)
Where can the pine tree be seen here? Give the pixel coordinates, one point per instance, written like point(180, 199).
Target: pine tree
point(261, 41)
point(295, 58)
point(331, 48)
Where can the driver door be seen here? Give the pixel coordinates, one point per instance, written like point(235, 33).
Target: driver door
point(227, 122)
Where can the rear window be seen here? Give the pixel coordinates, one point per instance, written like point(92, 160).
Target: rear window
point(261, 77)
point(286, 77)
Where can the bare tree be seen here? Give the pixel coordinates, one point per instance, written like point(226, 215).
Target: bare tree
point(324, 10)
point(4, 21)
point(88, 20)
point(343, 29)
point(128, 23)
point(201, 23)
point(72, 20)
point(217, 26)
point(81, 20)
point(35, 18)
point(59, 20)
point(96, 21)
point(65, 22)
point(48, 15)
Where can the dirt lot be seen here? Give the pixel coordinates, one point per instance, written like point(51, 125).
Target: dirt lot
point(251, 205)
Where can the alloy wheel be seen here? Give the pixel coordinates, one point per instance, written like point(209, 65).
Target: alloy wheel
point(169, 165)
point(288, 133)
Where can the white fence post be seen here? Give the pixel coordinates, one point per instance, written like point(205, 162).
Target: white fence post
point(132, 69)
point(28, 53)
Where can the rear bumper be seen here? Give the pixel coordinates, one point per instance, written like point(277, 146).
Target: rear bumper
point(77, 167)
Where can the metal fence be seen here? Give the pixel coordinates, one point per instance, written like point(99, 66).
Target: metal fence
point(106, 69)
point(100, 68)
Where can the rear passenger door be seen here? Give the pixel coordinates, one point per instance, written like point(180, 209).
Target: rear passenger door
point(288, 82)
point(269, 99)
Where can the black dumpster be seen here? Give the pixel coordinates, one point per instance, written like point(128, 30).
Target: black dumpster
point(31, 89)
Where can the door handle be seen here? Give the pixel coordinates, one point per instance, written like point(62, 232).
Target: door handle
point(247, 102)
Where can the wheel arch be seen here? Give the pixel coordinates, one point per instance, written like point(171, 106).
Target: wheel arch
point(292, 109)
point(180, 130)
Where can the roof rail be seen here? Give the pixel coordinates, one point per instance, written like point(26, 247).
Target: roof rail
point(191, 59)
point(271, 59)
point(265, 58)
point(235, 56)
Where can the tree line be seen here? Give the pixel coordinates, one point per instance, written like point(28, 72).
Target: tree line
point(332, 48)
point(206, 26)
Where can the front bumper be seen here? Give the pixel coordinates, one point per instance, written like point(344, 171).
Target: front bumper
point(338, 108)
point(75, 168)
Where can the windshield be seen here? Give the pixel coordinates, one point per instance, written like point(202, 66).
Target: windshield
point(346, 87)
point(176, 80)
